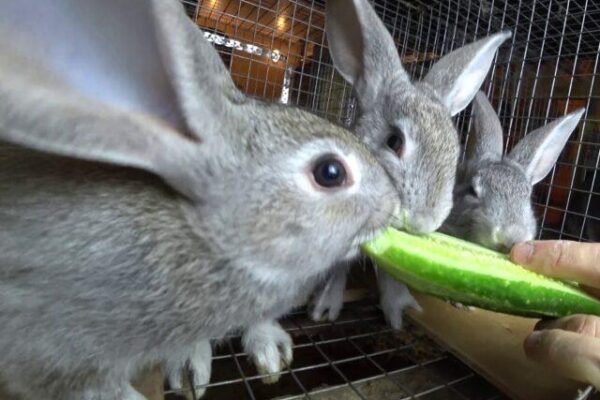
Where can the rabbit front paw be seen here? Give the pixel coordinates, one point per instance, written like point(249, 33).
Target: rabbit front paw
point(199, 365)
point(269, 347)
point(394, 304)
point(328, 302)
point(394, 299)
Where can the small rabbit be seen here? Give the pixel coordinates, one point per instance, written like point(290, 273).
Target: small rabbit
point(492, 200)
point(407, 125)
point(148, 205)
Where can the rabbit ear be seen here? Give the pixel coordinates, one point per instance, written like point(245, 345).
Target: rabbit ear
point(362, 49)
point(538, 151)
point(132, 83)
point(486, 142)
point(457, 76)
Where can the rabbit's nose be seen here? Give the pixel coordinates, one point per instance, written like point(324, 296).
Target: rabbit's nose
point(500, 241)
point(504, 247)
point(505, 238)
point(516, 234)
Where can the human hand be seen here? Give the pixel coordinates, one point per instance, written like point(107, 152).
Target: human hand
point(569, 345)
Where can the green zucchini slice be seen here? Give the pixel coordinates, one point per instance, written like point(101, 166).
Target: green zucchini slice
point(461, 271)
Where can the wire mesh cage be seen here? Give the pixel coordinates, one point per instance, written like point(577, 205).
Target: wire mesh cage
point(357, 357)
point(277, 49)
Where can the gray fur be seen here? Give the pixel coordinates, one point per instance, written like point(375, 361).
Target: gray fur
point(501, 214)
point(365, 54)
point(105, 268)
point(539, 150)
point(456, 77)
point(424, 173)
point(488, 142)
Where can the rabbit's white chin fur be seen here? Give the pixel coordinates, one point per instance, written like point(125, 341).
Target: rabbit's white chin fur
point(354, 250)
point(351, 254)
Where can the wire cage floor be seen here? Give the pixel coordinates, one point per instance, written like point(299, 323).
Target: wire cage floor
point(356, 357)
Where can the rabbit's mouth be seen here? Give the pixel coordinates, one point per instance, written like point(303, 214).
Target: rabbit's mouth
point(370, 235)
point(372, 227)
point(354, 250)
point(368, 232)
point(400, 219)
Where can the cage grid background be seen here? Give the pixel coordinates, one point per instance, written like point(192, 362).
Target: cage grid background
point(548, 69)
point(277, 50)
point(356, 357)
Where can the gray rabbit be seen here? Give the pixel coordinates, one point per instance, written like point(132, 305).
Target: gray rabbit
point(492, 200)
point(407, 125)
point(147, 205)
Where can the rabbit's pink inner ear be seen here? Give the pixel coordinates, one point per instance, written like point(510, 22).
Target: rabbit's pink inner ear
point(486, 140)
point(65, 123)
point(456, 77)
point(141, 56)
point(342, 26)
point(538, 151)
point(105, 50)
point(205, 91)
point(362, 49)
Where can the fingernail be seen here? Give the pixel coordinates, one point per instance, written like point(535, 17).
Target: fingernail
point(521, 253)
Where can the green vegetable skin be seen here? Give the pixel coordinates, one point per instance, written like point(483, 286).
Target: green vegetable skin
point(461, 271)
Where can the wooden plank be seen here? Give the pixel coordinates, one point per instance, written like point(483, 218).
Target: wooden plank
point(492, 344)
point(150, 384)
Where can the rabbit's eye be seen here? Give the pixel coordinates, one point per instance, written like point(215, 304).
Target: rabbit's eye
point(329, 172)
point(396, 142)
point(472, 191)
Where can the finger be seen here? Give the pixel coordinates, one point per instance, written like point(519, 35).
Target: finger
point(561, 259)
point(588, 325)
point(568, 353)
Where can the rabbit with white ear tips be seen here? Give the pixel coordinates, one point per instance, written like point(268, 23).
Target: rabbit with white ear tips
point(492, 203)
point(148, 204)
point(407, 125)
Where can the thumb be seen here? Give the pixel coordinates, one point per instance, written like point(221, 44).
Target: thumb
point(570, 354)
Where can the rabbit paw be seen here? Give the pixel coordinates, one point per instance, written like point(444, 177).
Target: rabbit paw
point(198, 363)
point(394, 298)
point(269, 347)
point(394, 306)
point(329, 300)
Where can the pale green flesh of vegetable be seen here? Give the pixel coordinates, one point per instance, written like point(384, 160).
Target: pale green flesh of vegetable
point(464, 272)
